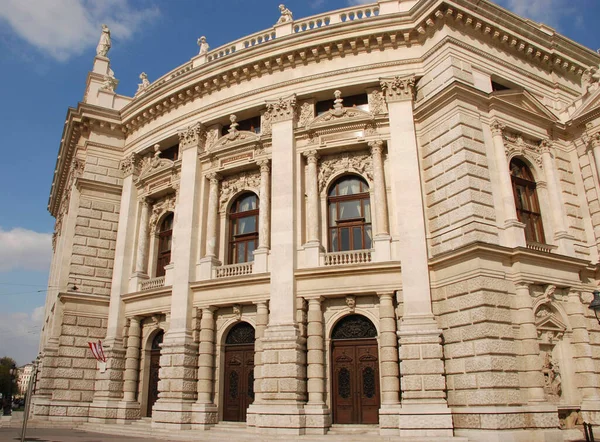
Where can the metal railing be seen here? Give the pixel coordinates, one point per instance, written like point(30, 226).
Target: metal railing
point(349, 257)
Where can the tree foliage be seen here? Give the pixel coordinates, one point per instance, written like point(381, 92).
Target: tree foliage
point(6, 364)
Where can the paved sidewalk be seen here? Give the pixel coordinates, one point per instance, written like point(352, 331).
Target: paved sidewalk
point(65, 435)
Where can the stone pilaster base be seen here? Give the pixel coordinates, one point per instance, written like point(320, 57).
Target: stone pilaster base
point(425, 420)
point(206, 267)
point(283, 382)
point(537, 422)
point(104, 411)
point(590, 411)
point(261, 261)
point(382, 246)
point(128, 412)
point(318, 419)
point(312, 254)
point(174, 415)
point(204, 416)
point(389, 419)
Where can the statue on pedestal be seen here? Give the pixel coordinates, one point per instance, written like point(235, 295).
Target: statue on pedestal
point(144, 84)
point(104, 43)
point(286, 15)
point(203, 45)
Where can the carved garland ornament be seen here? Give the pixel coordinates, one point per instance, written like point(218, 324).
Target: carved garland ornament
point(193, 136)
point(517, 145)
point(167, 204)
point(130, 165)
point(360, 163)
point(377, 105)
point(398, 88)
point(236, 183)
point(282, 109)
point(307, 113)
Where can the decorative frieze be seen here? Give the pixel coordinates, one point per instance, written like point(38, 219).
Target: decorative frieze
point(358, 162)
point(193, 136)
point(282, 109)
point(306, 113)
point(398, 88)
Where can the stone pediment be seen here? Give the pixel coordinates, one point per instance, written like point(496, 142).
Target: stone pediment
point(234, 137)
point(587, 105)
point(154, 165)
point(550, 323)
point(340, 114)
point(524, 100)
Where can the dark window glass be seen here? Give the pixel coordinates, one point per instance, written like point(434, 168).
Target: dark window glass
point(172, 153)
point(249, 124)
point(526, 201)
point(349, 215)
point(165, 242)
point(243, 228)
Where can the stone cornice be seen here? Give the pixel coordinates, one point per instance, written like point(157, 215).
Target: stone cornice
point(519, 37)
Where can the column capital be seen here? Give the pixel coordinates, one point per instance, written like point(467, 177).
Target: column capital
point(130, 165)
point(146, 201)
point(264, 165)
point(191, 137)
point(497, 128)
point(545, 146)
point(214, 177)
point(136, 319)
point(594, 140)
point(282, 109)
point(311, 156)
point(389, 294)
point(398, 88)
point(376, 146)
point(208, 311)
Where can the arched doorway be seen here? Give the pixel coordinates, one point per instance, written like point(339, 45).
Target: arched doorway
point(355, 371)
point(153, 373)
point(238, 392)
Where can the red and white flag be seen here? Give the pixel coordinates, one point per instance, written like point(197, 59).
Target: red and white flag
point(97, 351)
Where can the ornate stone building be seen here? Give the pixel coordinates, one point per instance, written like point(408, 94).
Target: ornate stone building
point(386, 214)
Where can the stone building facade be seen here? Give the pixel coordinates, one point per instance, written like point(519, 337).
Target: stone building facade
point(386, 214)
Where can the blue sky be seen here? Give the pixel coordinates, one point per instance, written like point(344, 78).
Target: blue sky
point(46, 49)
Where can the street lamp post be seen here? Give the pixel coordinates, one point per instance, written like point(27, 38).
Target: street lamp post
point(595, 304)
point(7, 402)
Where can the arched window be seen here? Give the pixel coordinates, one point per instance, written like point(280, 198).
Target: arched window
point(165, 241)
point(349, 215)
point(526, 201)
point(243, 228)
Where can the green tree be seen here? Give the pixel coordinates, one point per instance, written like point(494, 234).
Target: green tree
point(6, 364)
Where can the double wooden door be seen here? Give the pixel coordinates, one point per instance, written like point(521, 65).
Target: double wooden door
point(355, 381)
point(153, 382)
point(239, 381)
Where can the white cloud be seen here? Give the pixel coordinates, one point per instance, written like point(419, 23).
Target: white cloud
point(21, 335)
point(22, 249)
point(62, 28)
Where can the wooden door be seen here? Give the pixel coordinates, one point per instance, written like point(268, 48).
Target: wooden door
point(239, 382)
point(355, 381)
point(153, 374)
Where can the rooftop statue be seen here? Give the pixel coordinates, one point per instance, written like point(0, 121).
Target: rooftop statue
point(590, 80)
point(203, 45)
point(286, 15)
point(104, 43)
point(144, 84)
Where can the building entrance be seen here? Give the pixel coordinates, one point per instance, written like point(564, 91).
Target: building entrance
point(239, 372)
point(355, 372)
point(154, 368)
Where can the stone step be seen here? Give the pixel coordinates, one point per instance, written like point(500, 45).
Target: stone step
point(354, 429)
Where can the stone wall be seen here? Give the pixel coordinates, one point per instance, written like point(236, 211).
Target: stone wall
point(458, 191)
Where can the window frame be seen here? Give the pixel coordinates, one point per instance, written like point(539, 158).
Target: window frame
point(349, 223)
point(233, 215)
point(165, 236)
point(531, 216)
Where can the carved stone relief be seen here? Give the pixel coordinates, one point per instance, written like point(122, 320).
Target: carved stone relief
point(377, 105)
point(160, 207)
point(517, 145)
point(306, 113)
point(358, 162)
point(236, 183)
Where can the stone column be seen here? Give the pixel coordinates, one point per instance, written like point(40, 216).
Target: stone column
point(312, 248)
point(318, 417)
point(141, 264)
point(109, 384)
point(514, 229)
point(559, 222)
point(382, 238)
point(425, 409)
point(212, 221)
point(261, 254)
point(132, 360)
point(390, 383)
point(283, 384)
point(178, 357)
point(531, 377)
point(205, 410)
point(586, 376)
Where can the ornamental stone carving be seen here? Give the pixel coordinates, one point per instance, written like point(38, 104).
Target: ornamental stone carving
point(545, 146)
point(235, 136)
point(167, 204)
point(203, 46)
point(193, 136)
point(377, 105)
point(497, 128)
point(234, 184)
point(265, 123)
point(351, 302)
point(517, 145)
point(307, 113)
point(398, 88)
point(237, 312)
point(282, 109)
point(104, 44)
point(590, 80)
point(552, 378)
point(130, 165)
point(358, 162)
point(143, 85)
point(340, 112)
point(212, 135)
point(154, 163)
